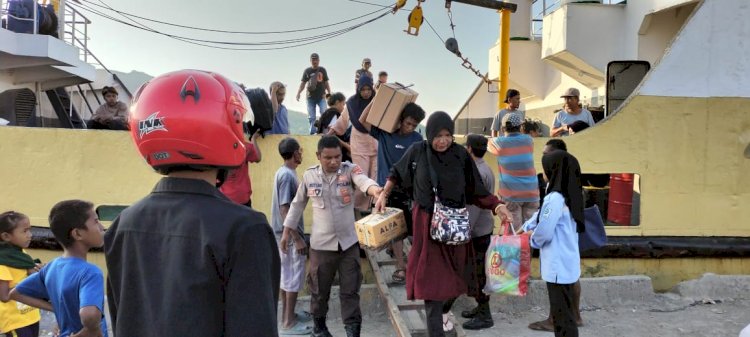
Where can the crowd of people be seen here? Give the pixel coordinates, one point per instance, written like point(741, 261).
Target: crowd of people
point(196, 250)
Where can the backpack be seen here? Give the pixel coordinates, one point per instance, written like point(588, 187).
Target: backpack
point(315, 78)
point(261, 107)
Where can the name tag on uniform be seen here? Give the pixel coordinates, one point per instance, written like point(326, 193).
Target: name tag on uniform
point(314, 192)
point(346, 197)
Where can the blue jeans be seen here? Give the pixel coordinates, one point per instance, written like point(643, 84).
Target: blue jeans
point(311, 115)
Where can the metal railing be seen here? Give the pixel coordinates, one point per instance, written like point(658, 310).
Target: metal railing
point(540, 9)
point(6, 16)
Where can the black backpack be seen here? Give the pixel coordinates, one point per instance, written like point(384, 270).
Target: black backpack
point(262, 108)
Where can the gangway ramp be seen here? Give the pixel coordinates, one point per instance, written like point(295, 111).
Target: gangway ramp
point(408, 317)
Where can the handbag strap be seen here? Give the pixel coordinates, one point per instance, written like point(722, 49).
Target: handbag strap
point(433, 174)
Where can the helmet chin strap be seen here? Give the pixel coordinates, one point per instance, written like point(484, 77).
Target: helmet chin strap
point(221, 177)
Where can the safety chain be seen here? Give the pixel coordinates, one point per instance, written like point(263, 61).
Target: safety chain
point(466, 64)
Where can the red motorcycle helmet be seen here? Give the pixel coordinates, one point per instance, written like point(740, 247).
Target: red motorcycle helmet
point(191, 119)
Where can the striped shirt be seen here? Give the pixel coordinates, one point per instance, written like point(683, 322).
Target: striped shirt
point(515, 161)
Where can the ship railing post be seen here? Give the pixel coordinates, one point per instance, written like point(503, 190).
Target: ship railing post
point(36, 17)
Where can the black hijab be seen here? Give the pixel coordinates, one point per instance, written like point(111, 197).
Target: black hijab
point(458, 180)
point(564, 175)
point(356, 104)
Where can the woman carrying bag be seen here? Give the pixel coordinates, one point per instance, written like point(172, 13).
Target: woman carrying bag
point(554, 231)
point(450, 180)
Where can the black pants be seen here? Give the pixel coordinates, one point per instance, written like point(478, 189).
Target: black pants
point(434, 311)
point(323, 267)
point(562, 310)
point(27, 331)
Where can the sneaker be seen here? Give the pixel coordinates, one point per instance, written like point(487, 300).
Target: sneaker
point(298, 329)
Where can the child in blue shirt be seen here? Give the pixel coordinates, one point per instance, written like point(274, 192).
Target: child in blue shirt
point(70, 286)
point(554, 231)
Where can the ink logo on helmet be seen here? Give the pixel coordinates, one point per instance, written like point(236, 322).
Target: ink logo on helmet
point(151, 124)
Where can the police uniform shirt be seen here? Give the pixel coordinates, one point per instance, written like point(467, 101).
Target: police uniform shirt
point(333, 205)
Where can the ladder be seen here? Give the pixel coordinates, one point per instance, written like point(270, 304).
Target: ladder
point(408, 317)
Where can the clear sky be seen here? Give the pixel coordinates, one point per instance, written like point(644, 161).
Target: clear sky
point(420, 60)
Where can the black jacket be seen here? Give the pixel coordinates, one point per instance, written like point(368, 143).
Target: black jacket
point(186, 261)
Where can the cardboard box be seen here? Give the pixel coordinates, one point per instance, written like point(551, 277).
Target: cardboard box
point(388, 104)
point(378, 229)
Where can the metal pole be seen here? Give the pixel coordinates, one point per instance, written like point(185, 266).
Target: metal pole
point(61, 19)
point(504, 56)
point(36, 17)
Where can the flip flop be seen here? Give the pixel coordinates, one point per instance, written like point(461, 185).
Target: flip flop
point(303, 316)
point(448, 323)
point(298, 329)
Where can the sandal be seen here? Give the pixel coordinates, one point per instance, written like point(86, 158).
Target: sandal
point(447, 323)
point(543, 325)
point(299, 329)
point(399, 276)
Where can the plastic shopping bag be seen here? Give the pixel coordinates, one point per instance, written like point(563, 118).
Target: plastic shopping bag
point(508, 263)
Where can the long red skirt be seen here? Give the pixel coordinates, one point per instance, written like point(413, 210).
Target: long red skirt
point(434, 271)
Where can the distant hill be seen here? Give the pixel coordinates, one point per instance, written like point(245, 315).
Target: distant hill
point(298, 124)
point(133, 80)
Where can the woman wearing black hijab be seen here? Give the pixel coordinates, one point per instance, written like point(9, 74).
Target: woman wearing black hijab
point(554, 231)
point(435, 271)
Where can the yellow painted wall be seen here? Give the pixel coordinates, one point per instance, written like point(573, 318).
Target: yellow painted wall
point(687, 151)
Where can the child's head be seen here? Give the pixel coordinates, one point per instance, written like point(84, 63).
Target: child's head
point(74, 221)
point(15, 229)
point(476, 145)
point(531, 128)
point(411, 116)
point(337, 100)
point(382, 77)
point(289, 148)
point(110, 95)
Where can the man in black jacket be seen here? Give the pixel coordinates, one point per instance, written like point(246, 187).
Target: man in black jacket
point(185, 260)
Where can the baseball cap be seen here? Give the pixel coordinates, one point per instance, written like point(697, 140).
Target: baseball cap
point(571, 92)
point(366, 60)
point(314, 56)
point(513, 119)
point(476, 141)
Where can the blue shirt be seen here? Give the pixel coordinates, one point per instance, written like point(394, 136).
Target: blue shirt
point(280, 122)
point(70, 284)
point(391, 147)
point(567, 119)
point(557, 240)
point(284, 190)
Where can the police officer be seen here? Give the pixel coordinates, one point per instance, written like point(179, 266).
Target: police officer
point(333, 243)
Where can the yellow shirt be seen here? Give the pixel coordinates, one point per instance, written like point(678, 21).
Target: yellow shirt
point(15, 315)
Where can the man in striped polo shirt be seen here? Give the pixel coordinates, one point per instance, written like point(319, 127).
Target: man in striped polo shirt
point(515, 159)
